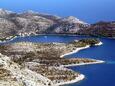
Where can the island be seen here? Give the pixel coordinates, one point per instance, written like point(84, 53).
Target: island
point(43, 64)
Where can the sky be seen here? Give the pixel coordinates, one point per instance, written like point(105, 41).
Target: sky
point(90, 11)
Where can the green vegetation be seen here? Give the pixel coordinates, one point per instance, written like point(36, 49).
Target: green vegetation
point(91, 41)
point(6, 38)
point(84, 42)
point(3, 39)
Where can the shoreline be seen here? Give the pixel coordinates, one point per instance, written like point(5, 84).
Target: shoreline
point(8, 39)
point(99, 44)
point(79, 49)
point(81, 64)
point(80, 76)
point(77, 79)
point(75, 51)
point(5, 41)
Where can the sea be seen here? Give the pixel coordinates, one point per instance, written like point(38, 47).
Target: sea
point(90, 11)
point(96, 74)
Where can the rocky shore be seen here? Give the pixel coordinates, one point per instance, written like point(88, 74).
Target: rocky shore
point(44, 64)
point(75, 51)
point(80, 64)
point(77, 79)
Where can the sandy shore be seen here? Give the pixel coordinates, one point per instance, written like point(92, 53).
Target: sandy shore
point(77, 79)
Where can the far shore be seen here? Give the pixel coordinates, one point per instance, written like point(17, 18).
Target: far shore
point(8, 39)
point(52, 35)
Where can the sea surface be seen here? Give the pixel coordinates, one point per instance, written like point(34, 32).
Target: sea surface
point(96, 75)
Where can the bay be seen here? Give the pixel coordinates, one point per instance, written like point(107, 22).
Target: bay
point(96, 75)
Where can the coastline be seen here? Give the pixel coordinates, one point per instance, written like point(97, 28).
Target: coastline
point(75, 51)
point(81, 77)
point(100, 43)
point(77, 79)
point(52, 35)
point(78, 49)
point(81, 64)
point(8, 39)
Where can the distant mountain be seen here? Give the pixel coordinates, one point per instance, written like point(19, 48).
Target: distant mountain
point(4, 13)
point(102, 28)
point(32, 23)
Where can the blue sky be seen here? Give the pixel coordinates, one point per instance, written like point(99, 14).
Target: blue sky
point(88, 10)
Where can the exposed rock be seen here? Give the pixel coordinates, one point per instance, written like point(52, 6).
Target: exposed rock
point(16, 76)
point(29, 23)
point(4, 13)
point(104, 29)
point(33, 23)
point(40, 64)
point(73, 19)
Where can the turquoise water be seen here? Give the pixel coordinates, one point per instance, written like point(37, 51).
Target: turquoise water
point(96, 75)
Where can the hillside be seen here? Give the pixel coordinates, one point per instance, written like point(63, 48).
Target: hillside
point(28, 23)
point(102, 28)
point(33, 23)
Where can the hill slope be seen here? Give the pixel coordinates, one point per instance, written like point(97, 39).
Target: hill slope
point(32, 23)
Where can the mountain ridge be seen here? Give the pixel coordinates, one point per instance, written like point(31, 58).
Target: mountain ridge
point(34, 23)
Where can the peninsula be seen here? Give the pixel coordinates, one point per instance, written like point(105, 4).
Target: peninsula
point(42, 64)
point(45, 64)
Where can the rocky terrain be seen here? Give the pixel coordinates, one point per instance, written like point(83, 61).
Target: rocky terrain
point(33, 23)
point(100, 29)
point(12, 74)
point(40, 64)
